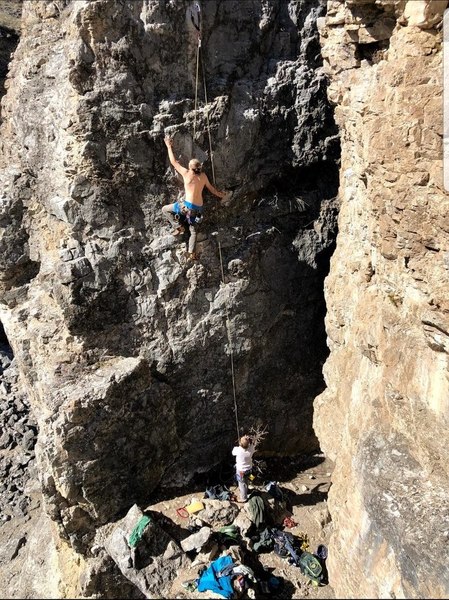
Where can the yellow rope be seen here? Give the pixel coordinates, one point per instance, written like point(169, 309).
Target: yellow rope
point(231, 354)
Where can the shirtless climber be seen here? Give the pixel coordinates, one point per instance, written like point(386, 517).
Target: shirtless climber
point(191, 207)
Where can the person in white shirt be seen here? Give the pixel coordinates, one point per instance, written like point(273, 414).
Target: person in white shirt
point(243, 464)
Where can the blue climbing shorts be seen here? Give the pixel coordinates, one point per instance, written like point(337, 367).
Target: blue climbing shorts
point(188, 205)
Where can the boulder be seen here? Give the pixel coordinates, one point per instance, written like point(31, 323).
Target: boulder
point(154, 562)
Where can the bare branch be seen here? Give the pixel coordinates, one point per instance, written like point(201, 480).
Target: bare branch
point(258, 433)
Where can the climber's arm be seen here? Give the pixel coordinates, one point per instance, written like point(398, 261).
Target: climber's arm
point(169, 143)
point(213, 189)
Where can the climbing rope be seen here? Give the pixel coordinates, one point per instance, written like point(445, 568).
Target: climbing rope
point(199, 58)
point(231, 353)
point(208, 124)
point(196, 84)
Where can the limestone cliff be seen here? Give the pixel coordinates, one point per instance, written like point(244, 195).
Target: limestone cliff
point(383, 417)
point(121, 344)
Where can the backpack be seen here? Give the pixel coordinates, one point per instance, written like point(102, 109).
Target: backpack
point(218, 492)
point(311, 567)
point(274, 490)
point(230, 532)
point(286, 545)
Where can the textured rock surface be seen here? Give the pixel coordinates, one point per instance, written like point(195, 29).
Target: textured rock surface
point(153, 564)
point(121, 345)
point(383, 416)
point(17, 441)
point(10, 13)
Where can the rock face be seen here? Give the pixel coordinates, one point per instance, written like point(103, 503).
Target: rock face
point(10, 13)
point(383, 415)
point(17, 440)
point(124, 347)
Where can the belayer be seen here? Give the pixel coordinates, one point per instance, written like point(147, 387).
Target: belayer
point(243, 464)
point(189, 209)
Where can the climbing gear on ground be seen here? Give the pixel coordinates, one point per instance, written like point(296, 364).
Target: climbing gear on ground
point(311, 567)
point(256, 510)
point(286, 545)
point(321, 552)
point(137, 532)
point(190, 585)
point(218, 492)
point(194, 507)
point(221, 585)
point(181, 512)
point(304, 540)
point(231, 531)
point(263, 542)
point(289, 522)
point(274, 490)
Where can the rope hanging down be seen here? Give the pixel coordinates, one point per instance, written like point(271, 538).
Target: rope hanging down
point(199, 59)
point(231, 354)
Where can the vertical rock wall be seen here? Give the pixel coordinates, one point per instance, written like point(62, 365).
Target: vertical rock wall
point(383, 417)
point(122, 344)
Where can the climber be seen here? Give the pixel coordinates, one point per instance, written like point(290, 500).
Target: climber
point(243, 464)
point(190, 209)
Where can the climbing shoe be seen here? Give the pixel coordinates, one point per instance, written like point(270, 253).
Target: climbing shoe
point(191, 256)
point(179, 230)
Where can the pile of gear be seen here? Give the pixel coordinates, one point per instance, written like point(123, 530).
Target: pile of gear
point(237, 572)
point(214, 546)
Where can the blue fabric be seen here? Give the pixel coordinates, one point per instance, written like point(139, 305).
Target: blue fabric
point(191, 206)
point(188, 205)
point(219, 585)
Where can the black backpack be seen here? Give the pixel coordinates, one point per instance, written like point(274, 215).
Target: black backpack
point(286, 545)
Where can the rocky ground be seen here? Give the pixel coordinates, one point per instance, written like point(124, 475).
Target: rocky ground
point(305, 482)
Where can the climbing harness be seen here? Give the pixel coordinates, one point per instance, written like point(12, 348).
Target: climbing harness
point(199, 58)
point(231, 354)
point(191, 215)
